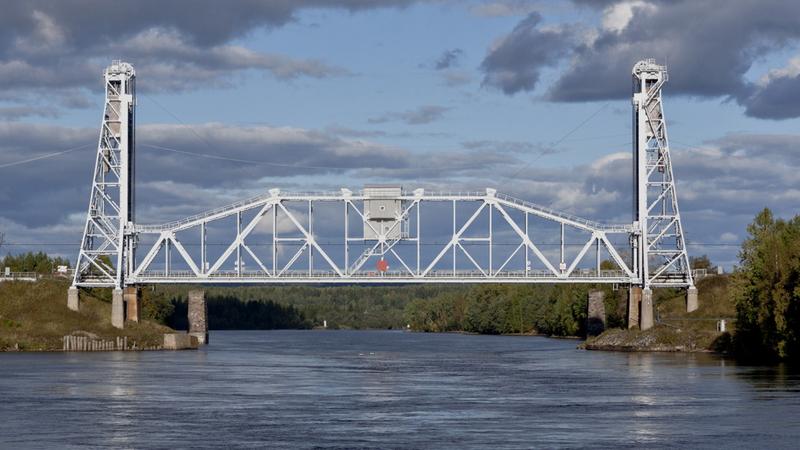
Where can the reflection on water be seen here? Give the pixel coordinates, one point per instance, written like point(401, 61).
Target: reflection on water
point(392, 389)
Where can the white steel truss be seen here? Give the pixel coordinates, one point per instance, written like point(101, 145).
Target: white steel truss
point(663, 259)
point(441, 265)
point(105, 243)
point(483, 237)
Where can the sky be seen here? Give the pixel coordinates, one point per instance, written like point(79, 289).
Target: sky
point(529, 97)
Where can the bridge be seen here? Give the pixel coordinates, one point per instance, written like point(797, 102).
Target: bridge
point(382, 234)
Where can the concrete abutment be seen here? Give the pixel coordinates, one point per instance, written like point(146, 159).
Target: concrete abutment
point(691, 299)
point(634, 306)
point(198, 316)
point(132, 299)
point(73, 298)
point(117, 308)
point(596, 315)
point(646, 317)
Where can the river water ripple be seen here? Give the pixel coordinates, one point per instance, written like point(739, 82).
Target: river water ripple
point(384, 389)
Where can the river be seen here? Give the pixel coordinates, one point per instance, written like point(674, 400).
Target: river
point(384, 389)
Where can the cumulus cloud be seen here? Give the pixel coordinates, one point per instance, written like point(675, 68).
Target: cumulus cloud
point(59, 48)
point(709, 46)
point(185, 169)
point(515, 62)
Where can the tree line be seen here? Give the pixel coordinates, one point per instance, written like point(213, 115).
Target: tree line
point(38, 262)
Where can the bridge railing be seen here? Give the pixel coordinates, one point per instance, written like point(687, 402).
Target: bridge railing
point(369, 274)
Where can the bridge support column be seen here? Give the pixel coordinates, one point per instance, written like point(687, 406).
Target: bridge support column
point(646, 320)
point(198, 316)
point(691, 299)
point(596, 317)
point(132, 303)
point(73, 301)
point(117, 308)
point(634, 306)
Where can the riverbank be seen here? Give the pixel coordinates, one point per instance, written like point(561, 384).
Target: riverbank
point(34, 317)
point(676, 330)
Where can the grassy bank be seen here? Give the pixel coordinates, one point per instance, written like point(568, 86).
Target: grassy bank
point(677, 330)
point(34, 317)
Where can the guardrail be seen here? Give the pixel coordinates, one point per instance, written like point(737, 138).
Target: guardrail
point(33, 276)
point(435, 274)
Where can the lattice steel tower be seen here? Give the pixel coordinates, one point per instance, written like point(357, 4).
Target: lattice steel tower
point(106, 246)
point(662, 256)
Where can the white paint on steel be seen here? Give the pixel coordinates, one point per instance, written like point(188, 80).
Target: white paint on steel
point(111, 237)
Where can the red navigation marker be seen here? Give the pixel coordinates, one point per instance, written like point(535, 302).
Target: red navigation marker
point(382, 265)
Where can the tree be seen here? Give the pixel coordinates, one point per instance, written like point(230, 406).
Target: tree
point(39, 262)
point(700, 262)
point(767, 290)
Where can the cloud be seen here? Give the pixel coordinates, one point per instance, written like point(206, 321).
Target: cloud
point(515, 62)
point(448, 59)
point(506, 146)
point(710, 46)
point(18, 112)
point(190, 168)
point(420, 116)
point(58, 49)
point(721, 185)
point(504, 8)
point(777, 96)
point(454, 78)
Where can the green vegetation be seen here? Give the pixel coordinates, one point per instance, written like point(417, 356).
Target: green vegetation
point(271, 307)
point(34, 316)
point(487, 309)
point(33, 262)
point(513, 309)
point(767, 290)
point(230, 313)
point(677, 330)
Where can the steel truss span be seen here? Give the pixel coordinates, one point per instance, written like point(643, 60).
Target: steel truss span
point(493, 225)
point(384, 234)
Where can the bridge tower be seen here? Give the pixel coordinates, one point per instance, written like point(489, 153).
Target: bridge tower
point(660, 246)
point(107, 244)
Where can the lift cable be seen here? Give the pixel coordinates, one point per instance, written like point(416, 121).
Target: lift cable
point(40, 157)
point(560, 140)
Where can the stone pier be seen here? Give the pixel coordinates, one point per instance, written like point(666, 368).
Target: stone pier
point(132, 299)
point(117, 308)
point(73, 300)
point(634, 306)
point(198, 316)
point(646, 319)
point(691, 299)
point(596, 317)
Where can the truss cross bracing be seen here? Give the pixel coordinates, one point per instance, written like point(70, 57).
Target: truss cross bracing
point(383, 234)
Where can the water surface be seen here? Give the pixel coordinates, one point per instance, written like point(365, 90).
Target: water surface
point(392, 390)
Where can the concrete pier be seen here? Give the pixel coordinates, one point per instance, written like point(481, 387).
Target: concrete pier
point(634, 306)
point(691, 299)
point(73, 300)
point(180, 341)
point(596, 317)
point(646, 319)
point(132, 303)
point(117, 308)
point(198, 316)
